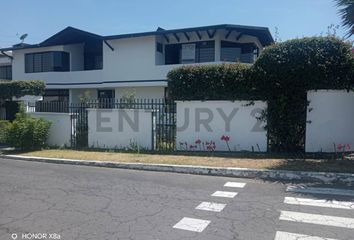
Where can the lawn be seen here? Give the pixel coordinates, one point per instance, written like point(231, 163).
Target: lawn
point(222, 160)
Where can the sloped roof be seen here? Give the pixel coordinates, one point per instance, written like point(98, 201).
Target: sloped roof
point(262, 33)
point(71, 35)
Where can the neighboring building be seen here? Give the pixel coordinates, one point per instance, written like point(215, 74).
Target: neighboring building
point(76, 64)
point(5, 66)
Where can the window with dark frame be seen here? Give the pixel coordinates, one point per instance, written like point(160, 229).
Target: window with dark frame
point(238, 52)
point(6, 72)
point(54, 61)
point(159, 47)
point(56, 95)
point(204, 52)
point(106, 98)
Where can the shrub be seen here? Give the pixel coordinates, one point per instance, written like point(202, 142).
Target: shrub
point(284, 73)
point(26, 132)
point(2, 130)
point(211, 82)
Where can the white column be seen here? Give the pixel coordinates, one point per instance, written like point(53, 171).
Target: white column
point(217, 48)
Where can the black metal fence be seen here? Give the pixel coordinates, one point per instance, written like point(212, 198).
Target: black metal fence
point(2, 111)
point(164, 117)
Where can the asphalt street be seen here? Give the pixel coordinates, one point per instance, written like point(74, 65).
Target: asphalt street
point(52, 201)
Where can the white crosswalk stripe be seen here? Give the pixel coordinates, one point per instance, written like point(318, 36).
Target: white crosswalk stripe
point(317, 219)
point(235, 184)
point(314, 190)
point(319, 203)
point(192, 224)
point(224, 194)
point(210, 206)
point(293, 236)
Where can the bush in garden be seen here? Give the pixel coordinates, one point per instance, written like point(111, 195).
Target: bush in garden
point(2, 130)
point(26, 132)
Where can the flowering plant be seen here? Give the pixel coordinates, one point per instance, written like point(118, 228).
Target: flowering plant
point(226, 139)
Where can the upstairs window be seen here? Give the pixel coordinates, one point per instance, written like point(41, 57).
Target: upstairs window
point(238, 52)
point(6, 72)
point(196, 52)
point(54, 61)
point(159, 47)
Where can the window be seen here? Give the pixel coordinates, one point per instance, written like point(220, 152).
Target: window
point(93, 55)
point(182, 53)
point(93, 61)
point(206, 51)
point(238, 52)
point(159, 47)
point(54, 61)
point(6, 72)
point(106, 98)
point(56, 95)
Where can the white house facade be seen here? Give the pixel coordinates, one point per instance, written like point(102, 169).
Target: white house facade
point(76, 64)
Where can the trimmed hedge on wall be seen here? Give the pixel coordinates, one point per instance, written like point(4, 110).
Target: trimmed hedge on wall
point(9, 89)
point(281, 75)
point(211, 82)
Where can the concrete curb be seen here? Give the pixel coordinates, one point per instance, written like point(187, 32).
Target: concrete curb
point(320, 177)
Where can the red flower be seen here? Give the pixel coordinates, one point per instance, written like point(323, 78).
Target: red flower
point(340, 146)
point(198, 141)
point(225, 138)
point(348, 146)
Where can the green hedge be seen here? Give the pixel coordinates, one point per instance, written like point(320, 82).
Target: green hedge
point(281, 75)
point(211, 82)
point(286, 71)
point(9, 89)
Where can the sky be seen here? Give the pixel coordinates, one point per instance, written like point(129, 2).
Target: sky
point(42, 18)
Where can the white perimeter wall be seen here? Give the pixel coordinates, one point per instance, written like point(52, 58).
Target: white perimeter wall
point(104, 129)
point(245, 130)
point(60, 130)
point(331, 116)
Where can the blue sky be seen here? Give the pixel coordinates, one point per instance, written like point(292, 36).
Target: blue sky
point(42, 18)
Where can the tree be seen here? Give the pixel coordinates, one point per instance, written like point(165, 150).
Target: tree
point(346, 11)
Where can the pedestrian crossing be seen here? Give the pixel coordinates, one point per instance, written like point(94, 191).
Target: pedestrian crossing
point(198, 225)
point(321, 202)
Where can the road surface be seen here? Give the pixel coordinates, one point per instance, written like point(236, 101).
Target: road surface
point(51, 201)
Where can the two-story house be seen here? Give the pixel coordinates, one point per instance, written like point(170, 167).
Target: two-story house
point(76, 64)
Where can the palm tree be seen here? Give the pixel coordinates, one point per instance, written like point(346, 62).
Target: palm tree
point(346, 11)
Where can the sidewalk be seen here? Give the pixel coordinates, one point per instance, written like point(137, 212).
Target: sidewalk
point(319, 177)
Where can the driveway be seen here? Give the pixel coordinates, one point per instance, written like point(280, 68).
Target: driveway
point(76, 202)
